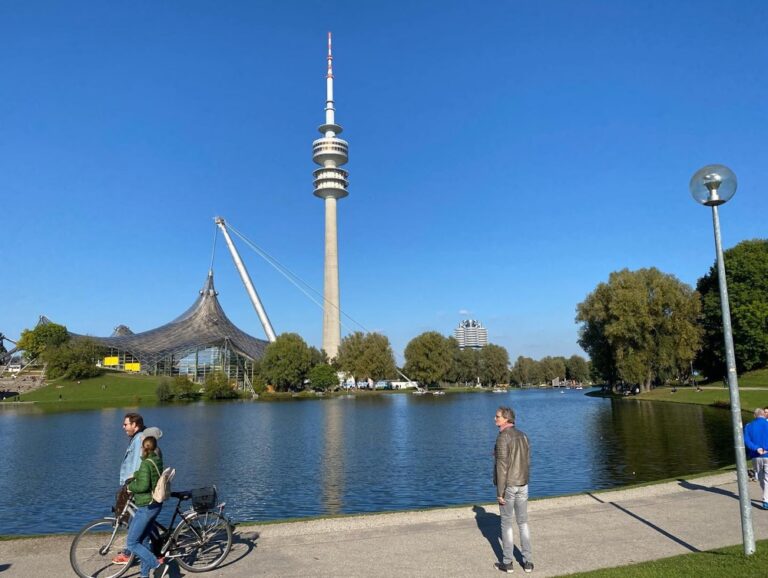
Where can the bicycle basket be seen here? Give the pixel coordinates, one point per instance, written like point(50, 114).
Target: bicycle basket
point(204, 499)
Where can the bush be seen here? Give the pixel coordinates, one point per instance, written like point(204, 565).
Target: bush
point(82, 370)
point(164, 391)
point(217, 386)
point(184, 388)
point(323, 377)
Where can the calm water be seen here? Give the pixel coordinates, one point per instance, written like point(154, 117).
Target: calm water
point(301, 458)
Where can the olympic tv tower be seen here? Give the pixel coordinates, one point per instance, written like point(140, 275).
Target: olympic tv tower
point(330, 152)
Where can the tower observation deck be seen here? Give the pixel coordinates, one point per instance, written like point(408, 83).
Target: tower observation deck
point(330, 152)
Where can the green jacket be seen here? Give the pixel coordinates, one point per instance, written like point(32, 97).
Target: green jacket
point(145, 479)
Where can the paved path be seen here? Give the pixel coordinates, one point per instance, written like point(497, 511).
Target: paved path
point(569, 534)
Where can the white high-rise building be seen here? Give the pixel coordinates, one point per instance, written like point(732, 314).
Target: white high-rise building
point(330, 152)
point(471, 333)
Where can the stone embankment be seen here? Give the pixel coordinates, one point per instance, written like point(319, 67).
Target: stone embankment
point(21, 383)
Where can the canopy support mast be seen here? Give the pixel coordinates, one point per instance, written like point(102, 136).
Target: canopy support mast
point(247, 281)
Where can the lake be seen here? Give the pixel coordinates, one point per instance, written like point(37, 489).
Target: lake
point(315, 457)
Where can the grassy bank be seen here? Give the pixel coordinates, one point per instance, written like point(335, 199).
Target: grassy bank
point(753, 392)
point(116, 389)
point(728, 561)
point(109, 390)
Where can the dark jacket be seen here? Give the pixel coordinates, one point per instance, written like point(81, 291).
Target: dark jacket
point(513, 460)
point(145, 479)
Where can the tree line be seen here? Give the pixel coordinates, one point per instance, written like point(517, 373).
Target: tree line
point(646, 327)
point(430, 359)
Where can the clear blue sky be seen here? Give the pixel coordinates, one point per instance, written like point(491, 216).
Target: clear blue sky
point(505, 156)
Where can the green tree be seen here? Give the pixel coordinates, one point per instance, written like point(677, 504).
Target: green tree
point(577, 368)
point(218, 386)
point(366, 355)
point(35, 341)
point(286, 362)
point(746, 270)
point(428, 357)
point(525, 371)
point(323, 377)
point(465, 364)
point(317, 356)
point(640, 327)
point(73, 359)
point(493, 365)
point(552, 368)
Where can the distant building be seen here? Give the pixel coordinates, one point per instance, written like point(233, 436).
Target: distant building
point(472, 334)
point(195, 344)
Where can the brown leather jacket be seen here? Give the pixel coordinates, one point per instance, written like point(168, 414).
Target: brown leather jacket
point(512, 460)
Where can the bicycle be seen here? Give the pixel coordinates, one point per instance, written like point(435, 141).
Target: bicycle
point(199, 542)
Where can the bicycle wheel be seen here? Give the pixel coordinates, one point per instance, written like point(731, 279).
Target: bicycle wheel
point(202, 541)
point(94, 547)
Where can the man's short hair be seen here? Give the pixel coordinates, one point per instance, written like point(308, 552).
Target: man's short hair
point(507, 413)
point(135, 419)
point(759, 412)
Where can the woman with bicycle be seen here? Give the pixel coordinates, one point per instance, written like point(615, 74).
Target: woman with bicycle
point(144, 481)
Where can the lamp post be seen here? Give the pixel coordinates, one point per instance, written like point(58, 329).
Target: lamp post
point(712, 186)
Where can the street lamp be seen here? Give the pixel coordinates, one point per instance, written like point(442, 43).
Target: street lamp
point(712, 186)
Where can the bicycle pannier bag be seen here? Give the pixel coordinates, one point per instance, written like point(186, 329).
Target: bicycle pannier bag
point(163, 487)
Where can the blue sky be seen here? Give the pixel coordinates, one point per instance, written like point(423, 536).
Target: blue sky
point(505, 156)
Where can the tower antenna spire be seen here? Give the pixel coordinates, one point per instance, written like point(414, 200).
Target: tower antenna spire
point(330, 112)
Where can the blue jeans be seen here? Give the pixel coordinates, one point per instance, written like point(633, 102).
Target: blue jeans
point(138, 536)
point(516, 498)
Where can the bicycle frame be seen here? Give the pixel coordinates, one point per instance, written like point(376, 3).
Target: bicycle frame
point(159, 535)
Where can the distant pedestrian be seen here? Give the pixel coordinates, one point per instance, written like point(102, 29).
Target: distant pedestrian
point(756, 443)
point(512, 462)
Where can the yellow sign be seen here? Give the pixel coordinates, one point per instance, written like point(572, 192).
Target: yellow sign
point(111, 361)
point(133, 367)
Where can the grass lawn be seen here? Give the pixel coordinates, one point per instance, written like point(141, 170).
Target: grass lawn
point(715, 394)
point(109, 390)
point(722, 562)
point(750, 399)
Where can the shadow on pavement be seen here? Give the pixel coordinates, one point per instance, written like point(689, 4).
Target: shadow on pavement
point(490, 527)
point(691, 486)
point(243, 543)
point(661, 531)
point(757, 504)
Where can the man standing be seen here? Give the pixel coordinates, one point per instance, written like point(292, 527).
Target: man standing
point(512, 455)
point(756, 442)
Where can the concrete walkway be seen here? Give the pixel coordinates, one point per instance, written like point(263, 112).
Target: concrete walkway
point(570, 534)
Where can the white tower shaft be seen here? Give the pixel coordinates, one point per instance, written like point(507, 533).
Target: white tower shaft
point(330, 152)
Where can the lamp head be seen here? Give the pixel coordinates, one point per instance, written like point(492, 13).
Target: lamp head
point(713, 185)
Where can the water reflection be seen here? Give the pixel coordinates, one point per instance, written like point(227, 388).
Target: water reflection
point(333, 457)
point(328, 456)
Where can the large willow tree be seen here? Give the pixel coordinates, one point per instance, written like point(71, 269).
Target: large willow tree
point(640, 327)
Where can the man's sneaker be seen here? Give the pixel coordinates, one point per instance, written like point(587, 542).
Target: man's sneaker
point(528, 567)
point(508, 568)
point(765, 505)
point(121, 558)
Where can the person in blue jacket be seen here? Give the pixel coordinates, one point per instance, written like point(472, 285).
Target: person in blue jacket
point(756, 443)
